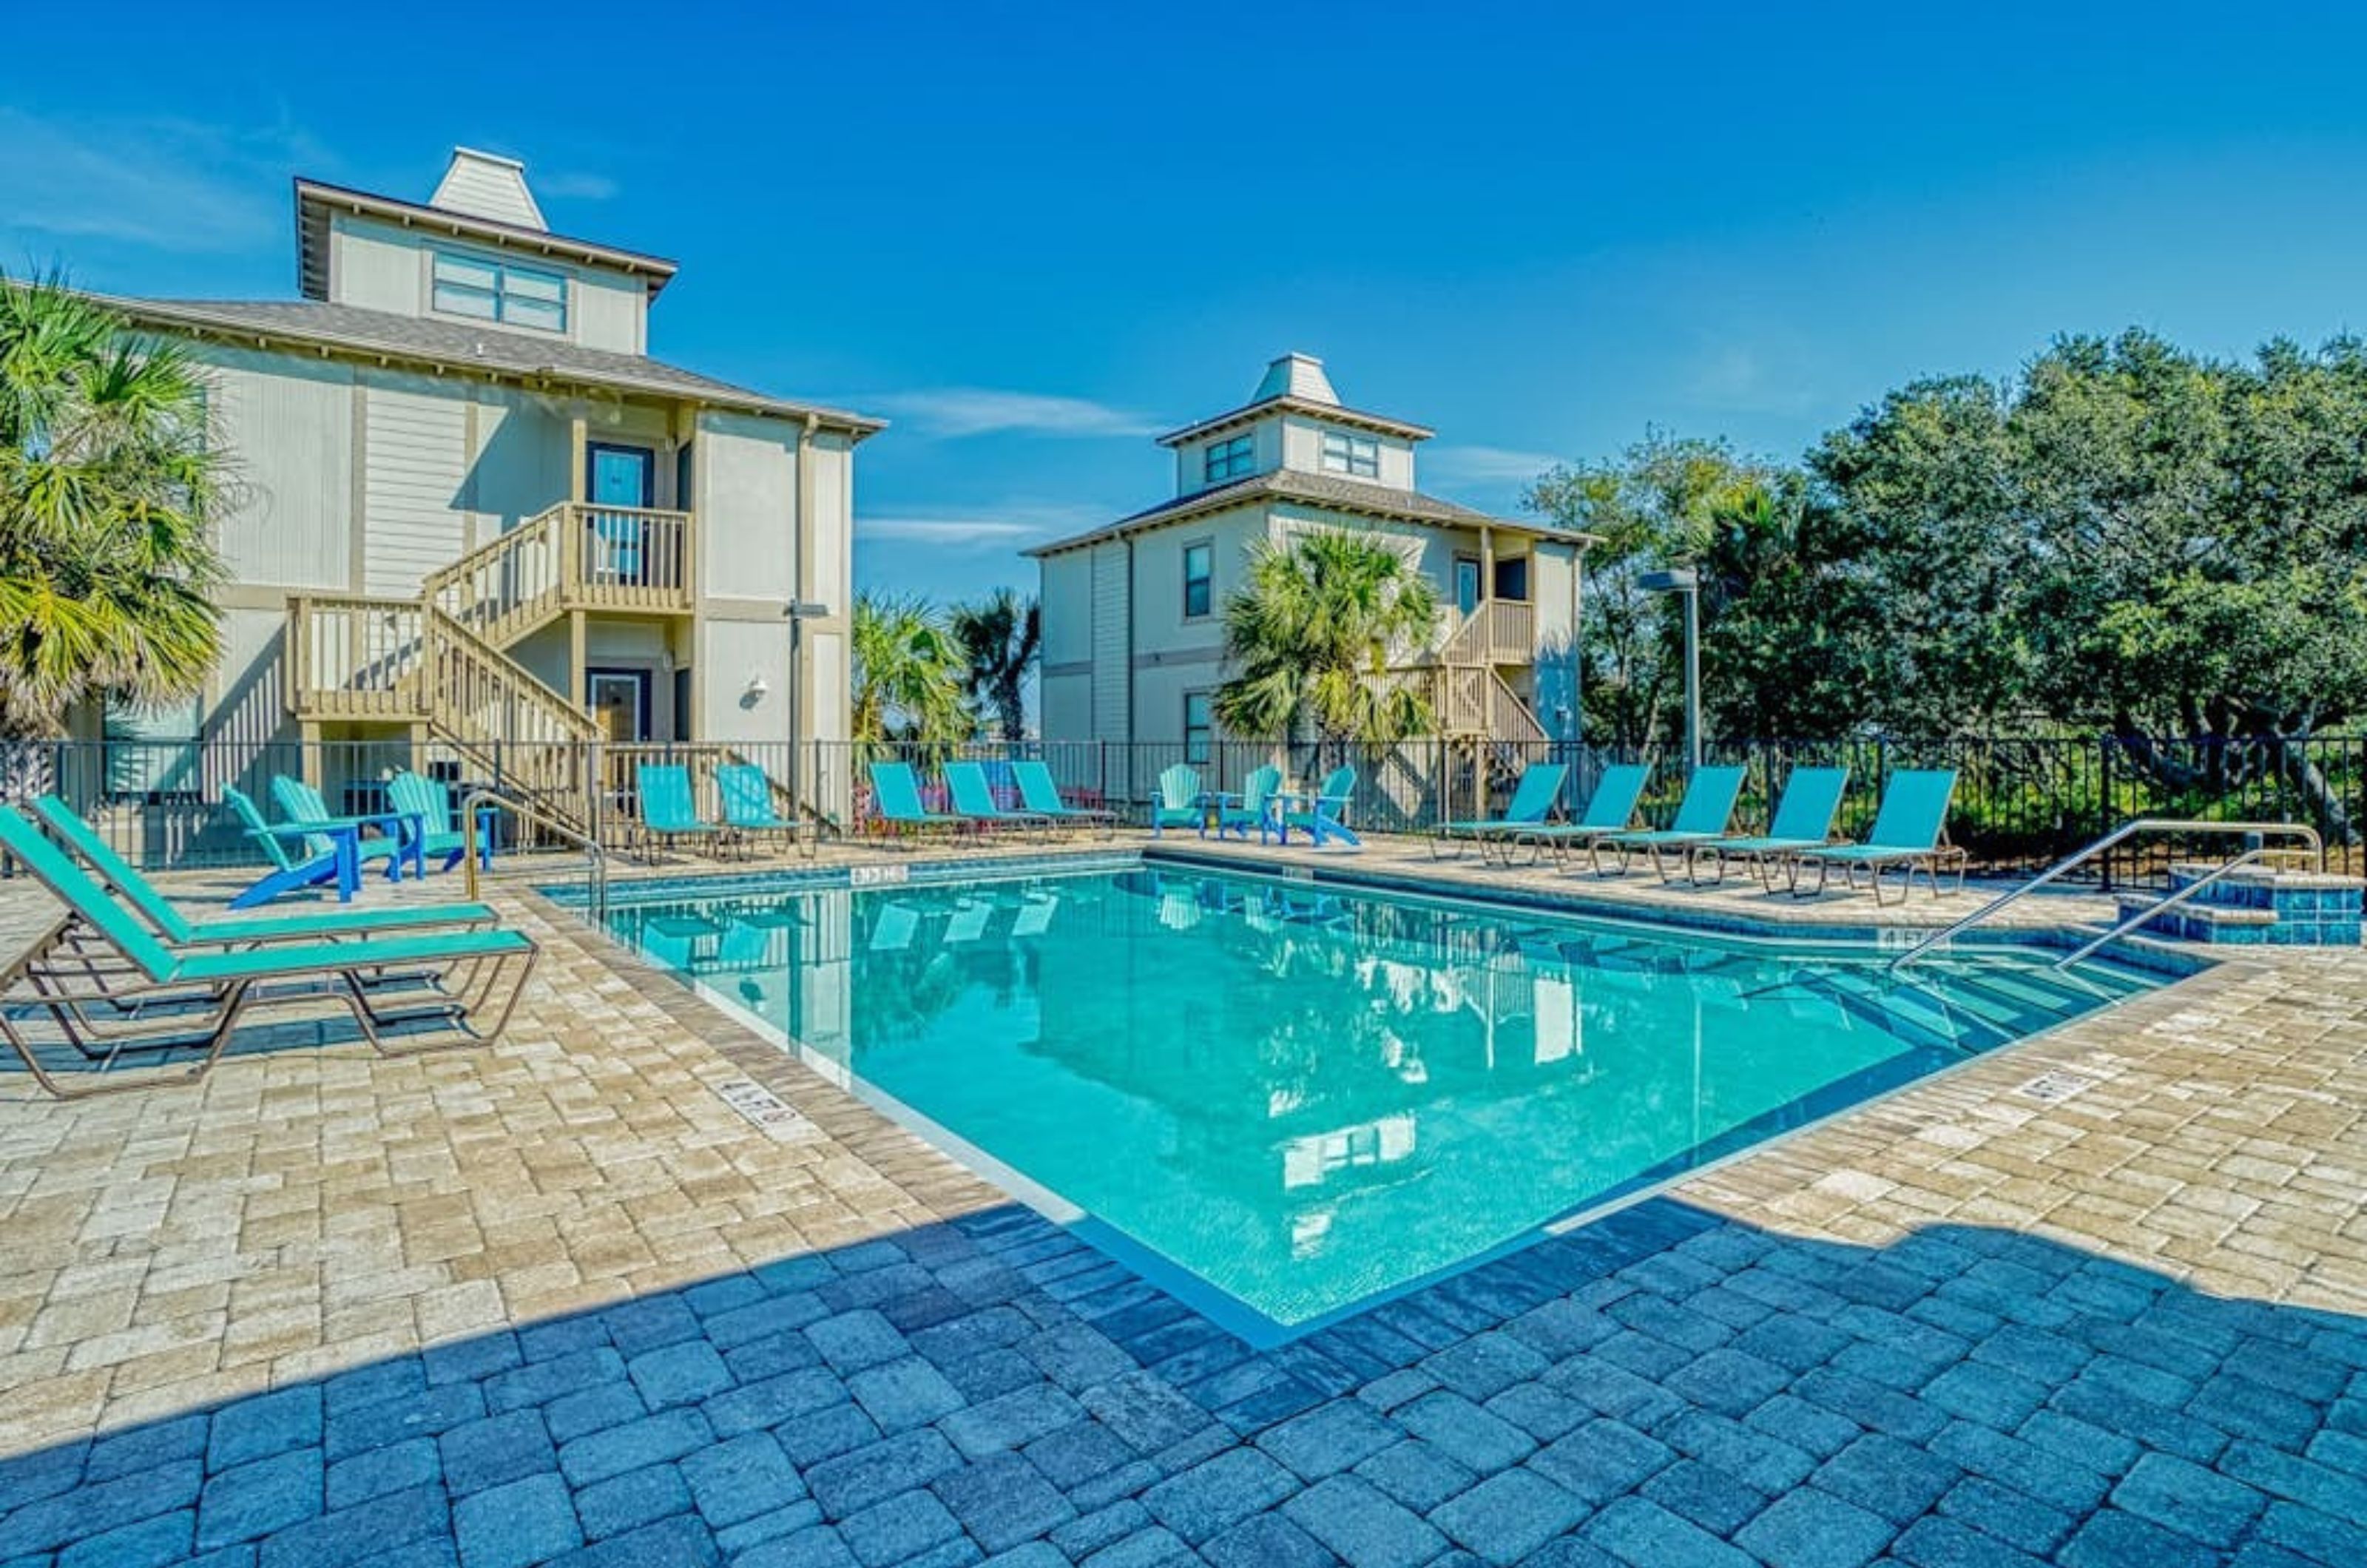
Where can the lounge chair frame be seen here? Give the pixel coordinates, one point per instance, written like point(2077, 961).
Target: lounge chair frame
point(79, 961)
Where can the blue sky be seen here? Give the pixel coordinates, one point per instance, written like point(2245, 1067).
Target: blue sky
point(1033, 235)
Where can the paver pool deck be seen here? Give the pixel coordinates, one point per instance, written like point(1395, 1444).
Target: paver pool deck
point(557, 1301)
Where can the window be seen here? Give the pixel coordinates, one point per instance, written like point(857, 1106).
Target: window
point(490, 291)
point(1197, 728)
point(1199, 580)
point(1359, 456)
point(1230, 460)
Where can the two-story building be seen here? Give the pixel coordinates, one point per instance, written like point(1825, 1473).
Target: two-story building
point(471, 508)
point(1133, 646)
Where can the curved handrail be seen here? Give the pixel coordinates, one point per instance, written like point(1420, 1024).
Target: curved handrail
point(2119, 835)
point(595, 859)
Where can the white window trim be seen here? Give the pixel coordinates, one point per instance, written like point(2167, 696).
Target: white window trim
point(1354, 449)
point(1244, 445)
point(569, 301)
point(1184, 580)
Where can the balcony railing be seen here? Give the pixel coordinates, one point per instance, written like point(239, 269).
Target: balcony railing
point(1497, 631)
point(354, 657)
point(630, 558)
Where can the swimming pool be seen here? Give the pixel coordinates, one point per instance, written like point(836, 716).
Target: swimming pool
point(1283, 1099)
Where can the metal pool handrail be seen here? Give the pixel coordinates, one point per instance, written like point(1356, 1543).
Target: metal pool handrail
point(595, 859)
point(2120, 835)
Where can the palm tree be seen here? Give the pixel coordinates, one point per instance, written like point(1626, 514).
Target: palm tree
point(999, 637)
point(907, 674)
point(1314, 634)
point(107, 488)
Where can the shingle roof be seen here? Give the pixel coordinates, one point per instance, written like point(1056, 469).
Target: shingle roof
point(468, 346)
point(1318, 490)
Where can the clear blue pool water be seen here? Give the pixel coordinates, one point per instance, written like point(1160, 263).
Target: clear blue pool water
point(1304, 1098)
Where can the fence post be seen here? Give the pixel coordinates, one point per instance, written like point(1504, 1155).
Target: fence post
point(2105, 812)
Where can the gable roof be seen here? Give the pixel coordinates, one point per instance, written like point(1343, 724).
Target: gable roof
point(467, 346)
point(1314, 489)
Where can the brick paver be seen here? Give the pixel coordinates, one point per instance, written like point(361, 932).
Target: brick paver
point(558, 1302)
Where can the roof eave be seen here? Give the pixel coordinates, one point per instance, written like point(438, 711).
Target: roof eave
point(657, 271)
point(203, 324)
point(1249, 414)
point(1218, 501)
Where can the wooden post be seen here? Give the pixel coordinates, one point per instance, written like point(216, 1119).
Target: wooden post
point(579, 684)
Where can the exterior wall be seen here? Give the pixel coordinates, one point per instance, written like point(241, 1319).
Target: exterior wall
point(414, 479)
point(290, 424)
point(523, 460)
point(384, 266)
point(1192, 457)
point(1113, 637)
point(1302, 450)
point(609, 310)
point(747, 506)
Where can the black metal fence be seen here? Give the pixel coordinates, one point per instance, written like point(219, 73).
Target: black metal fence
point(2021, 802)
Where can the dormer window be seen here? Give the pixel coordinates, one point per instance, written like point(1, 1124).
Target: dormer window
point(1359, 457)
point(1233, 459)
point(487, 291)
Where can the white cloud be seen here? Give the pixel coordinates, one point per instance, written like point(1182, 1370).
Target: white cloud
point(979, 532)
point(1485, 465)
point(1740, 379)
point(953, 412)
point(577, 185)
point(167, 182)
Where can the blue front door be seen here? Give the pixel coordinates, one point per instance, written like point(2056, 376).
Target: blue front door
point(621, 479)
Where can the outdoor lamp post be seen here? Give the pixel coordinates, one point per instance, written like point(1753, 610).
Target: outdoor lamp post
point(1684, 579)
point(799, 611)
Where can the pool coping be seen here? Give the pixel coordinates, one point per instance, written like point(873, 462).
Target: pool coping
point(1235, 1316)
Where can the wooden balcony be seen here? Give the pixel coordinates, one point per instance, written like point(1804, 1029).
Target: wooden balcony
point(355, 658)
point(1497, 632)
point(573, 556)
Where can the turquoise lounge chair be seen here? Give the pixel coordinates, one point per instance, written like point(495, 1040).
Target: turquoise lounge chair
point(179, 930)
point(54, 976)
point(747, 794)
point(288, 873)
point(1610, 809)
point(896, 801)
point(1704, 814)
point(1041, 795)
point(1253, 807)
point(1803, 821)
point(429, 801)
point(1532, 803)
point(1180, 803)
point(669, 812)
point(973, 797)
point(1324, 814)
point(1908, 830)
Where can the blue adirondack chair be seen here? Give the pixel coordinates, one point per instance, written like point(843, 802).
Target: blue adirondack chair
point(1324, 814)
point(1253, 807)
point(288, 873)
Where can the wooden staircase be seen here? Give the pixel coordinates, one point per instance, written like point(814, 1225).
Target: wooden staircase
point(440, 662)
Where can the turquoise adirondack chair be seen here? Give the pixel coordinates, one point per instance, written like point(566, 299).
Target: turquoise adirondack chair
point(1180, 802)
point(430, 800)
point(288, 873)
point(1324, 814)
point(300, 803)
point(1253, 807)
